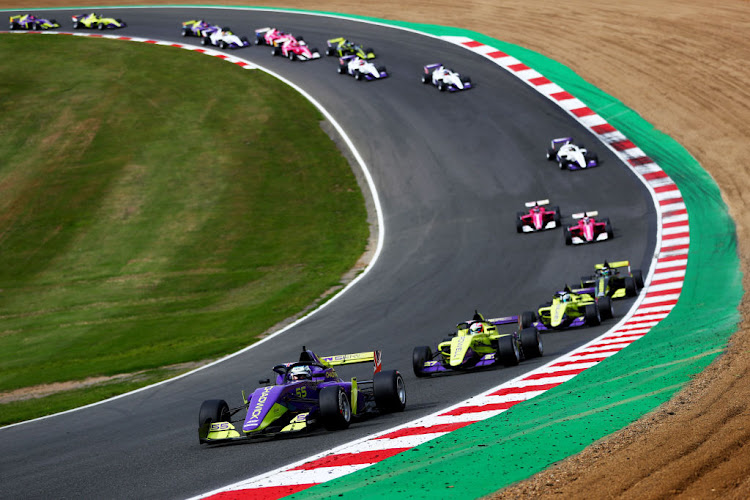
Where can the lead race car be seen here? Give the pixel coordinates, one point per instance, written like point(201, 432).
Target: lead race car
point(199, 28)
point(307, 393)
point(588, 229)
point(361, 69)
point(537, 218)
point(95, 21)
point(269, 36)
point(571, 156)
point(445, 78)
point(31, 22)
point(478, 344)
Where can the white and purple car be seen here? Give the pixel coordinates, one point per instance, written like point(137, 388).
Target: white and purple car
point(360, 69)
point(225, 39)
point(445, 78)
point(571, 156)
point(308, 393)
point(199, 28)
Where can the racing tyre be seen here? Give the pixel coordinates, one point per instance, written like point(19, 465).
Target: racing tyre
point(420, 355)
point(330, 51)
point(389, 391)
point(205, 41)
point(276, 51)
point(185, 31)
point(631, 289)
point(638, 277)
point(335, 409)
point(507, 351)
point(260, 41)
point(531, 342)
point(519, 225)
point(222, 44)
point(606, 311)
point(441, 86)
point(551, 153)
point(292, 56)
point(425, 78)
point(526, 319)
point(342, 69)
point(76, 25)
point(608, 228)
point(357, 74)
point(213, 410)
point(561, 164)
point(100, 27)
point(568, 237)
point(557, 215)
point(592, 315)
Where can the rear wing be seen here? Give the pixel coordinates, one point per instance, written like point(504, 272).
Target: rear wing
point(349, 359)
point(585, 214)
point(431, 67)
point(560, 140)
point(530, 204)
point(621, 263)
point(335, 41)
point(346, 59)
point(507, 320)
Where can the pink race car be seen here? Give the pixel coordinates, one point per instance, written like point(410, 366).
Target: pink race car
point(269, 36)
point(295, 49)
point(588, 229)
point(537, 218)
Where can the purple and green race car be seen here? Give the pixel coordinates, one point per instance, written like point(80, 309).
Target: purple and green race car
point(477, 344)
point(307, 394)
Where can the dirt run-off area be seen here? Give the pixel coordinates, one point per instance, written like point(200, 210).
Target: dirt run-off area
point(685, 67)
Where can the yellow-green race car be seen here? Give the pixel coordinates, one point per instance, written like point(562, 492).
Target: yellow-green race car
point(31, 22)
point(477, 344)
point(95, 21)
point(569, 309)
point(614, 279)
point(341, 47)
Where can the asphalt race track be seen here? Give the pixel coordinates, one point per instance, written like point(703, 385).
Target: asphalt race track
point(451, 171)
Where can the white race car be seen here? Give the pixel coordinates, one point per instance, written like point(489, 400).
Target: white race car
point(571, 156)
point(224, 38)
point(360, 69)
point(444, 78)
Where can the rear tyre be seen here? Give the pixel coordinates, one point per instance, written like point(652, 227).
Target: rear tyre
point(211, 411)
point(631, 290)
point(568, 237)
point(557, 216)
point(606, 311)
point(526, 319)
point(507, 351)
point(292, 56)
point(420, 356)
point(519, 224)
point(389, 391)
point(551, 153)
point(330, 51)
point(531, 342)
point(100, 26)
point(426, 79)
point(591, 313)
point(638, 277)
point(335, 409)
point(205, 41)
point(608, 228)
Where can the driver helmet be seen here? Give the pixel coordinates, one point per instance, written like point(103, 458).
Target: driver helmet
point(300, 373)
point(535, 208)
point(564, 296)
point(606, 270)
point(476, 328)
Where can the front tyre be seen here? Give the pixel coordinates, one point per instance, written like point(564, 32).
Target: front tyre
point(526, 319)
point(211, 411)
point(638, 277)
point(420, 356)
point(631, 289)
point(507, 351)
point(591, 313)
point(389, 391)
point(606, 311)
point(531, 343)
point(335, 409)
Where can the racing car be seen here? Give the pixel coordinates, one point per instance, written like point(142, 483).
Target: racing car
point(296, 49)
point(31, 22)
point(614, 279)
point(569, 309)
point(225, 39)
point(444, 78)
point(361, 69)
point(571, 156)
point(94, 20)
point(269, 36)
point(588, 229)
point(341, 47)
point(198, 28)
point(477, 344)
point(307, 394)
point(537, 218)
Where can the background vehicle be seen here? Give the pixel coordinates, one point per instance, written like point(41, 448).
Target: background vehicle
point(588, 229)
point(31, 22)
point(444, 78)
point(478, 344)
point(341, 47)
point(361, 69)
point(199, 28)
point(289, 406)
point(614, 280)
point(269, 36)
point(537, 218)
point(569, 309)
point(294, 49)
point(225, 39)
point(95, 21)
point(571, 156)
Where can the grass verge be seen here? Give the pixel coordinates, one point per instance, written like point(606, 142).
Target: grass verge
point(156, 207)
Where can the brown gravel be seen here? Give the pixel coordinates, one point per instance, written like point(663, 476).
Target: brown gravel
point(685, 67)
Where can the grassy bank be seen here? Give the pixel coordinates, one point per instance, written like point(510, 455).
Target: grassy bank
point(156, 207)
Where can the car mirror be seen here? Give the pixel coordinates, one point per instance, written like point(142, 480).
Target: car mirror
point(264, 382)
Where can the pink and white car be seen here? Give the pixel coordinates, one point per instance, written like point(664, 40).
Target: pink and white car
point(269, 36)
point(537, 218)
point(295, 49)
point(588, 229)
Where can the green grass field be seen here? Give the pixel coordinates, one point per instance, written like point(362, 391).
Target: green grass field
point(157, 206)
